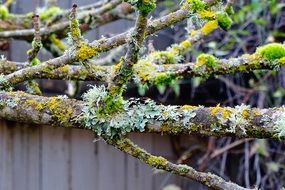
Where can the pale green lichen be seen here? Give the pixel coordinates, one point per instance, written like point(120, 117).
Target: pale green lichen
point(131, 116)
point(239, 119)
point(124, 116)
point(279, 123)
point(271, 52)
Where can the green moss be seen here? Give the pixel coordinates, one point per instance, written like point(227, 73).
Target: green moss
point(74, 29)
point(163, 57)
point(48, 13)
point(206, 59)
point(164, 78)
point(145, 6)
point(156, 161)
point(224, 21)
point(4, 12)
point(230, 10)
point(271, 51)
point(195, 5)
point(35, 61)
point(110, 105)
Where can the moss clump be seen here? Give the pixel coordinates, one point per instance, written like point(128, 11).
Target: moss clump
point(35, 61)
point(206, 59)
point(195, 5)
point(146, 6)
point(164, 78)
point(110, 105)
point(85, 52)
point(224, 20)
point(48, 13)
point(74, 29)
point(4, 12)
point(163, 57)
point(272, 51)
point(156, 161)
point(209, 27)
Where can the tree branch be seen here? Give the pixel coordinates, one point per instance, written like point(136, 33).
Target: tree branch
point(240, 121)
point(208, 179)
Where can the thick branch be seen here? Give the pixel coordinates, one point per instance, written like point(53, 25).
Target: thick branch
point(240, 121)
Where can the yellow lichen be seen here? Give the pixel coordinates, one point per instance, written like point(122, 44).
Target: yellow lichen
point(85, 52)
point(207, 14)
point(188, 107)
point(209, 27)
point(145, 70)
point(186, 44)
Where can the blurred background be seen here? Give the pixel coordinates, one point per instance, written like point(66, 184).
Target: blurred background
point(33, 158)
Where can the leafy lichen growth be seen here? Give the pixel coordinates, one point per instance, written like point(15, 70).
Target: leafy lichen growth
point(125, 116)
point(279, 124)
point(239, 119)
point(271, 52)
point(4, 12)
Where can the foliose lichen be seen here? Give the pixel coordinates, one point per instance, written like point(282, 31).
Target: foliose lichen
point(239, 119)
point(279, 123)
point(128, 115)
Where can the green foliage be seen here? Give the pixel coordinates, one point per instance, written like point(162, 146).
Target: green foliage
point(271, 51)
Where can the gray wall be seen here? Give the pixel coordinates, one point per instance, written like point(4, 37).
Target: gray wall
point(47, 158)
